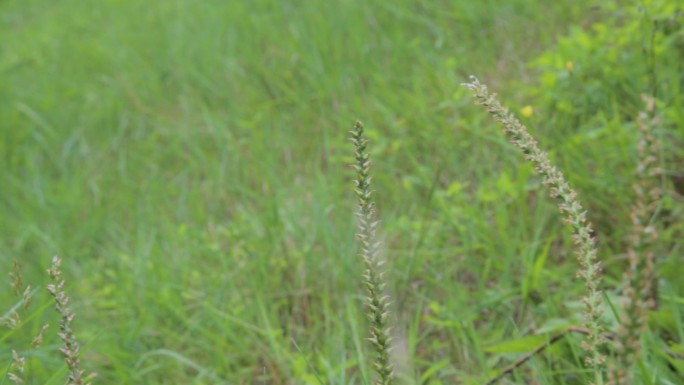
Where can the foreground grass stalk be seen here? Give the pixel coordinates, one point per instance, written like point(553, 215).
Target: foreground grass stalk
point(71, 348)
point(16, 370)
point(373, 278)
point(15, 374)
point(640, 288)
point(574, 215)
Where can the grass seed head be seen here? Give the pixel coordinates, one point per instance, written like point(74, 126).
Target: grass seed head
point(570, 208)
point(376, 302)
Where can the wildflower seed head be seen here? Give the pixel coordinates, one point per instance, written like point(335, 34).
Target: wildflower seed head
point(12, 320)
point(16, 370)
point(38, 339)
point(16, 278)
point(26, 297)
point(640, 286)
point(70, 348)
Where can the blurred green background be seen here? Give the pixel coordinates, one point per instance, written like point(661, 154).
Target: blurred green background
point(189, 162)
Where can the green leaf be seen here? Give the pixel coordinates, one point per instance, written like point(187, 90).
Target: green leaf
point(555, 325)
point(539, 264)
point(433, 369)
point(521, 345)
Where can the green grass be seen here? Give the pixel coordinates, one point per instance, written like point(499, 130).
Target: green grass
point(189, 162)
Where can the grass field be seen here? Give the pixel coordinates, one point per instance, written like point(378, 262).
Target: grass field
point(189, 162)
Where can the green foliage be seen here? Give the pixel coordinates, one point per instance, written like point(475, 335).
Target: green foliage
point(602, 68)
point(188, 162)
point(590, 87)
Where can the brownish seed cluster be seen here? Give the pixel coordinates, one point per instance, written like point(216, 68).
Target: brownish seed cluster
point(71, 349)
point(640, 289)
point(16, 370)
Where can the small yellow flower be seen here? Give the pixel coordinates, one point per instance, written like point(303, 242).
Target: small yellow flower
point(527, 111)
point(569, 65)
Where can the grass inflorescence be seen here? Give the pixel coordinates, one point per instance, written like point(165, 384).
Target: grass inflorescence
point(71, 349)
point(572, 210)
point(377, 302)
point(17, 367)
point(640, 284)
